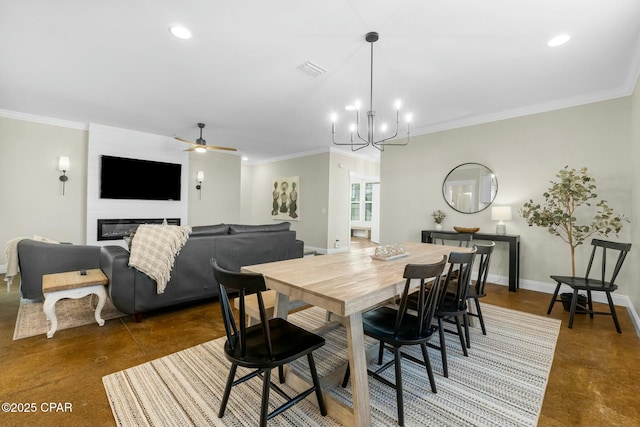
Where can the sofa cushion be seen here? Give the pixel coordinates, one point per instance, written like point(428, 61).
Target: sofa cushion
point(210, 230)
point(240, 228)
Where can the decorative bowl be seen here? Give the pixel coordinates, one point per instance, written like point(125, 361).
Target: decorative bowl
point(466, 229)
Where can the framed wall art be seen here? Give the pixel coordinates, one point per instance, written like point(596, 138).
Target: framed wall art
point(285, 195)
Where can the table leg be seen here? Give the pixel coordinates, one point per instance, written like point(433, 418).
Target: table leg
point(50, 299)
point(358, 364)
point(514, 266)
point(49, 308)
point(281, 306)
point(102, 299)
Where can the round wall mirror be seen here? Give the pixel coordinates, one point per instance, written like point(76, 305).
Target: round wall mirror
point(470, 188)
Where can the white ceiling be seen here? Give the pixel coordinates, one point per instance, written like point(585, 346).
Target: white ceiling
point(452, 62)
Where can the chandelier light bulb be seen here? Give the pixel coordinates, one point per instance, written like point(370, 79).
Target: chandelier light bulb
point(349, 108)
point(383, 127)
point(352, 127)
point(409, 117)
point(398, 104)
point(356, 105)
point(334, 117)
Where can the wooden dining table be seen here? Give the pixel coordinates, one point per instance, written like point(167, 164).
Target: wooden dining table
point(347, 284)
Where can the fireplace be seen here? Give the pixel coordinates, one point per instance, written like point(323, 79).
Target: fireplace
point(116, 229)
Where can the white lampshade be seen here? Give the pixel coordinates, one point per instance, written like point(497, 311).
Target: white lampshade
point(200, 176)
point(63, 163)
point(501, 213)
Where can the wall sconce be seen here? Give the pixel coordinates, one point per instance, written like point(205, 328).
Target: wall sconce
point(199, 179)
point(63, 166)
point(500, 214)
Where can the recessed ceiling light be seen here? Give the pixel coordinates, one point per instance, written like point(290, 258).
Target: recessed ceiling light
point(558, 40)
point(180, 32)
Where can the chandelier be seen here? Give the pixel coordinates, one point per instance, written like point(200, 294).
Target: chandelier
point(361, 142)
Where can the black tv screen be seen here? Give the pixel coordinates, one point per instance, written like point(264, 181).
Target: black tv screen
point(122, 178)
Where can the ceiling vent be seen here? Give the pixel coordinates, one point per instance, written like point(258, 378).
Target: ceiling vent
point(312, 69)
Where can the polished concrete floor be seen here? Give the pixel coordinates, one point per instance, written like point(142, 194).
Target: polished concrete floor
point(594, 380)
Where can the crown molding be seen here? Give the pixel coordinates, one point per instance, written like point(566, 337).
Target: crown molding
point(527, 111)
point(288, 157)
point(44, 120)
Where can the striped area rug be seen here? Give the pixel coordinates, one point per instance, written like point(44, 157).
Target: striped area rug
point(501, 383)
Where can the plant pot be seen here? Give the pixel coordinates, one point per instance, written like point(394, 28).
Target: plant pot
point(438, 227)
point(566, 302)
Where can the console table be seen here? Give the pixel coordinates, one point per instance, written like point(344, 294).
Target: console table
point(514, 251)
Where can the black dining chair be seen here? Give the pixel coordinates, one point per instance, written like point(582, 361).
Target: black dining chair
point(452, 305)
point(395, 327)
point(477, 291)
point(262, 347)
point(462, 240)
point(589, 284)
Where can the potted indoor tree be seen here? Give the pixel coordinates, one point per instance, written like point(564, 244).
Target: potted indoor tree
point(573, 189)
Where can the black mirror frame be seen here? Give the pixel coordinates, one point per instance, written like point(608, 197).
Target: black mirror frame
point(464, 164)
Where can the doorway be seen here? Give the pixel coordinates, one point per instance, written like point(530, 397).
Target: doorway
point(364, 215)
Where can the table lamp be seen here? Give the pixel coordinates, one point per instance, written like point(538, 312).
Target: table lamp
point(500, 214)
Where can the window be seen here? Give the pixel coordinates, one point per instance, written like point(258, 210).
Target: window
point(362, 201)
point(368, 201)
point(355, 202)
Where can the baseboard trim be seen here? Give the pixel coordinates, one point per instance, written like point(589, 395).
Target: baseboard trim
point(336, 250)
point(320, 251)
point(549, 288)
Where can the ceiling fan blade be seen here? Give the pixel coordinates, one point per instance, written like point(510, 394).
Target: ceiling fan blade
point(190, 149)
point(184, 140)
point(214, 147)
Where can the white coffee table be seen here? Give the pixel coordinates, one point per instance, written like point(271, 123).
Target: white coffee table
point(72, 285)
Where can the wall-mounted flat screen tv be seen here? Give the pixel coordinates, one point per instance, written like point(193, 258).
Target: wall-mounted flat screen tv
point(123, 178)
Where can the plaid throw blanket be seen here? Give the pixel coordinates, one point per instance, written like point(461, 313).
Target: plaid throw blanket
point(154, 249)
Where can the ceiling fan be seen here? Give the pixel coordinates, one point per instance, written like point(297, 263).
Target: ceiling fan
point(200, 145)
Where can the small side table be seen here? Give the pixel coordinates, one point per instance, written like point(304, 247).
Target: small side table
point(72, 285)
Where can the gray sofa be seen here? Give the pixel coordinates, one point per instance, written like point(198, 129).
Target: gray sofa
point(37, 258)
point(133, 292)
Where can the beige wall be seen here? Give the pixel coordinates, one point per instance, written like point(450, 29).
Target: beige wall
point(313, 201)
point(32, 200)
point(324, 195)
point(220, 200)
point(525, 153)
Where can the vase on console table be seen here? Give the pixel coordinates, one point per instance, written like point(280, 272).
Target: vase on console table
point(438, 227)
